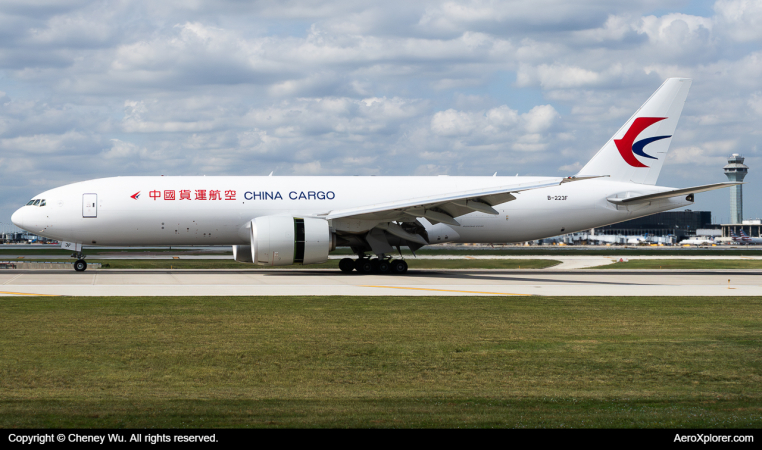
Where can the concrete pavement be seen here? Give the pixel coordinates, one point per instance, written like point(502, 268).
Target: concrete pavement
point(415, 283)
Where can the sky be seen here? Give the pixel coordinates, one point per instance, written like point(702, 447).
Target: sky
point(92, 89)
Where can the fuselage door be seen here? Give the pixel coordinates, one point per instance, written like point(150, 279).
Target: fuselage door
point(89, 205)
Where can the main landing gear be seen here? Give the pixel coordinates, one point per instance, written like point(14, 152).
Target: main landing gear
point(367, 266)
point(79, 265)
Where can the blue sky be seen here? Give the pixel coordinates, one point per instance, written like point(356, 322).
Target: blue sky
point(92, 89)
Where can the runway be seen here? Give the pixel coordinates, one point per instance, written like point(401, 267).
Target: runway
point(111, 282)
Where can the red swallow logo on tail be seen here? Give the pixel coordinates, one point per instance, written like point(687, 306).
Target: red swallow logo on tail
point(627, 146)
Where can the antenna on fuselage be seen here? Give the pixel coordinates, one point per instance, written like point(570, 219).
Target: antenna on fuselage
point(271, 173)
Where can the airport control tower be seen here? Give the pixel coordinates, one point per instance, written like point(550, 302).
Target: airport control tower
point(736, 171)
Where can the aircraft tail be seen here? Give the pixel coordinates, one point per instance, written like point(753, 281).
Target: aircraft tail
point(636, 152)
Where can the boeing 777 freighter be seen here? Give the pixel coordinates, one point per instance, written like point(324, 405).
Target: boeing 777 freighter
point(275, 221)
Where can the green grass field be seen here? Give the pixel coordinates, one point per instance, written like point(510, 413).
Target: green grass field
point(380, 362)
point(685, 264)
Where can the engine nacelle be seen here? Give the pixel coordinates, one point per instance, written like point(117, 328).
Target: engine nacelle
point(282, 241)
point(242, 253)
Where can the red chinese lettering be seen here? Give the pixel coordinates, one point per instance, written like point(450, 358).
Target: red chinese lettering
point(200, 194)
point(229, 195)
point(169, 195)
point(185, 194)
point(155, 194)
point(215, 195)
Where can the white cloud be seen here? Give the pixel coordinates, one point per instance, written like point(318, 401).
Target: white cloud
point(43, 144)
point(124, 150)
point(460, 123)
point(712, 154)
point(452, 123)
point(540, 118)
point(555, 76)
point(740, 19)
point(571, 168)
point(755, 102)
point(497, 128)
point(675, 29)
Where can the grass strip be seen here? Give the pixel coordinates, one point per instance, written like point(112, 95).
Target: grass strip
point(380, 362)
point(685, 264)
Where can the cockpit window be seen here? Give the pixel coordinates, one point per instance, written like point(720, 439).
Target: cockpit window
point(42, 202)
point(30, 202)
point(36, 202)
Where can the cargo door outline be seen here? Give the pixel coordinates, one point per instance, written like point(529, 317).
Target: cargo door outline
point(89, 206)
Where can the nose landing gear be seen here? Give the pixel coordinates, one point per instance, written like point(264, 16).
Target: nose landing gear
point(79, 265)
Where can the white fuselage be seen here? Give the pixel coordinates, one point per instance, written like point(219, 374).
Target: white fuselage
point(696, 241)
point(748, 240)
point(153, 218)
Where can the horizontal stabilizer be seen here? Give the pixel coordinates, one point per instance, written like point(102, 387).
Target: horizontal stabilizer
point(672, 193)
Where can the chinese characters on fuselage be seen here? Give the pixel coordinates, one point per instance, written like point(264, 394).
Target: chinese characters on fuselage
point(198, 194)
point(213, 194)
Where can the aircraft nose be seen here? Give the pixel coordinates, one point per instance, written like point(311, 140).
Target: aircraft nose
point(18, 218)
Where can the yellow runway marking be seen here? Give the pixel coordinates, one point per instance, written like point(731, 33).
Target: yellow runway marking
point(443, 290)
point(27, 293)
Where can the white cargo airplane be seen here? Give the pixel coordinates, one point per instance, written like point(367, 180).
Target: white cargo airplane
point(274, 221)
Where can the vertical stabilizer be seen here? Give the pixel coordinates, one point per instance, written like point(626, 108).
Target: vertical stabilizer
point(637, 151)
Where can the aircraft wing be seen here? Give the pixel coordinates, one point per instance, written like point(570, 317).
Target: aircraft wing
point(445, 207)
point(673, 193)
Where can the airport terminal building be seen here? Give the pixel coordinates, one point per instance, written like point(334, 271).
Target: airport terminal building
point(681, 224)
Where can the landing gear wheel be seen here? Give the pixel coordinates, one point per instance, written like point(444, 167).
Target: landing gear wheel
point(347, 265)
point(80, 265)
point(364, 266)
point(383, 267)
point(398, 267)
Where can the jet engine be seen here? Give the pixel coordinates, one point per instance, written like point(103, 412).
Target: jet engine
point(242, 253)
point(282, 241)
